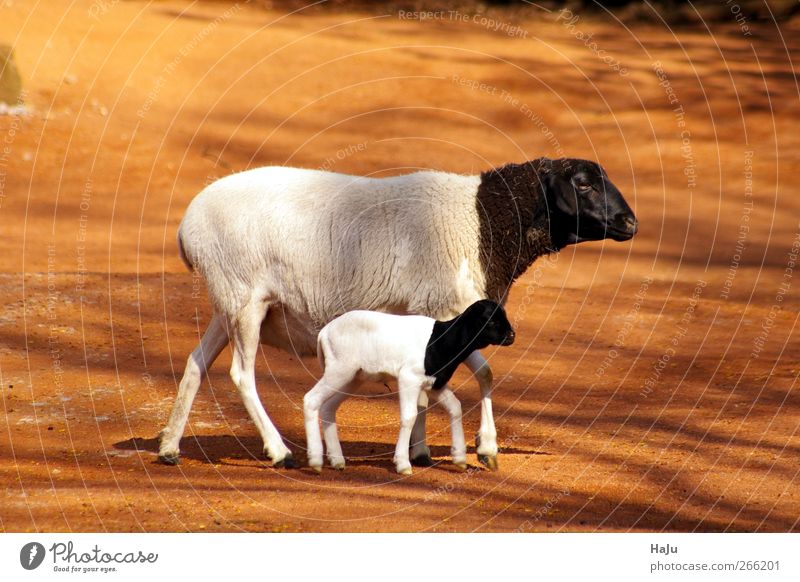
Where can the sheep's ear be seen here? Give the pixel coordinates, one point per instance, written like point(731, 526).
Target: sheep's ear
point(560, 196)
point(544, 166)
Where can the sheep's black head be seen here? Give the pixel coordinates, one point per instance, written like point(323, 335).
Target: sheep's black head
point(583, 203)
point(488, 320)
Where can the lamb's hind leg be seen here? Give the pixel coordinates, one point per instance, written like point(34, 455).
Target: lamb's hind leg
point(324, 398)
point(245, 333)
point(329, 429)
point(312, 402)
point(214, 340)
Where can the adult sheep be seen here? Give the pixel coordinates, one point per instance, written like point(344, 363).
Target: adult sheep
point(283, 251)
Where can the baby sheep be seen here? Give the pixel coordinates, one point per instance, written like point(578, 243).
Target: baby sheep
point(420, 352)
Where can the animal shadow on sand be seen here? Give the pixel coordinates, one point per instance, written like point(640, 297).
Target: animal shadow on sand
point(233, 450)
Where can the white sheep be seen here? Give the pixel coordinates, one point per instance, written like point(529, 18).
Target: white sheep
point(283, 251)
point(420, 352)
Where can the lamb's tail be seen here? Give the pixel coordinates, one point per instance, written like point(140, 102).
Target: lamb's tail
point(182, 253)
point(320, 353)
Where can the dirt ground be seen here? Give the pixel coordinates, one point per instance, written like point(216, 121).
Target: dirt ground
point(653, 384)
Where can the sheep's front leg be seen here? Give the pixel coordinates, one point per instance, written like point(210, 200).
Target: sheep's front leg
point(409, 387)
point(450, 403)
point(487, 434)
point(420, 453)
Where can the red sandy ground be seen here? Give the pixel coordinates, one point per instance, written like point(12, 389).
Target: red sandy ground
point(137, 105)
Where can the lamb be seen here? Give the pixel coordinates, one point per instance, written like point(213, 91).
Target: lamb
point(284, 251)
point(420, 352)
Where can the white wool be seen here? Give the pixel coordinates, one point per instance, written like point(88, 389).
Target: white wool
point(373, 345)
point(319, 244)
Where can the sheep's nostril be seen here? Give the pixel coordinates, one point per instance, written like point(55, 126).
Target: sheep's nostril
point(632, 225)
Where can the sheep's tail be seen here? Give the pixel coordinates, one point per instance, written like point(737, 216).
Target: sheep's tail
point(182, 253)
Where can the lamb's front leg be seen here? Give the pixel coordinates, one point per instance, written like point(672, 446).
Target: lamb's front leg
point(450, 403)
point(409, 387)
point(487, 434)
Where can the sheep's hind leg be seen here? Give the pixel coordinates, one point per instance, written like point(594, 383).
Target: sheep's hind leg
point(214, 340)
point(450, 403)
point(420, 452)
point(487, 434)
point(245, 335)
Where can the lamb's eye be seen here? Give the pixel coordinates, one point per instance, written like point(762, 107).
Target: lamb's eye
point(584, 186)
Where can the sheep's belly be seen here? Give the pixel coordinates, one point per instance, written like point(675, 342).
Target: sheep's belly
point(283, 328)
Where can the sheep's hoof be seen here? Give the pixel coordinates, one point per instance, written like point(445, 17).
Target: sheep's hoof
point(406, 471)
point(490, 462)
point(461, 466)
point(317, 468)
point(337, 466)
point(169, 458)
point(423, 460)
point(287, 462)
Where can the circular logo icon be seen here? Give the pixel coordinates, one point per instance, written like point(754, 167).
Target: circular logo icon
point(31, 555)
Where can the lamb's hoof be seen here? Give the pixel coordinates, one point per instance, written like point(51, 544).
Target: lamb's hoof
point(287, 462)
point(337, 466)
point(406, 471)
point(317, 468)
point(490, 462)
point(169, 458)
point(460, 466)
point(423, 460)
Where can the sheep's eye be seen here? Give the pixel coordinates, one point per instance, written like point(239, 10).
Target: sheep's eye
point(584, 186)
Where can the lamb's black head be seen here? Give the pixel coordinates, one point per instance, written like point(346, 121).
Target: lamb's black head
point(583, 203)
point(483, 323)
point(488, 321)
